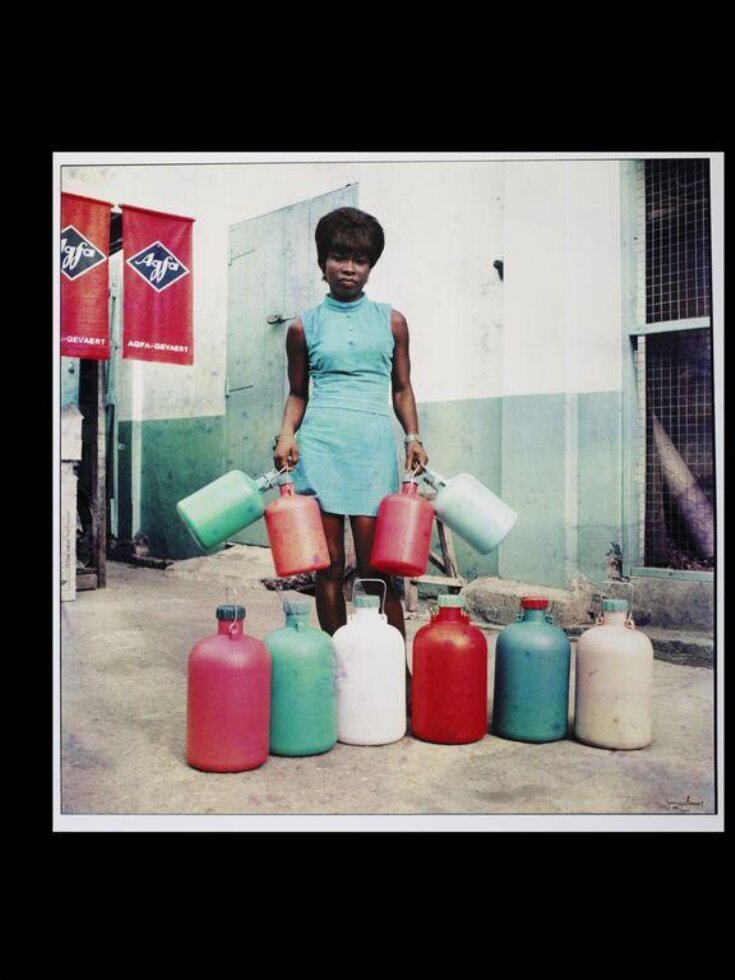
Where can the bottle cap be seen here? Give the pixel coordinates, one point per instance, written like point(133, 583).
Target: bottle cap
point(615, 605)
point(534, 602)
point(230, 612)
point(366, 602)
point(296, 607)
point(451, 601)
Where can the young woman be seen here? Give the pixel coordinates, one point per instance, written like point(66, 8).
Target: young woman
point(354, 351)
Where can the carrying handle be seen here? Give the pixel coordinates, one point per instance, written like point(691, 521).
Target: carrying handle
point(629, 618)
point(231, 588)
point(385, 589)
point(629, 621)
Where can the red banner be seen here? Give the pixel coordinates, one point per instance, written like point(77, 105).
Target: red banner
point(157, 311)
point(85, 246)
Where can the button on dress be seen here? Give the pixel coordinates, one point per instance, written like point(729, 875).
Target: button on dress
point(347, 454)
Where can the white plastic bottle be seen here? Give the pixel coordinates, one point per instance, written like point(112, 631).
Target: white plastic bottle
point(614, 682)
point(371, 677)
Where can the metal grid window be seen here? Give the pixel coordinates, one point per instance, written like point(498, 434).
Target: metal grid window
point(673, 358)
point(679, 499)
point(677, 239)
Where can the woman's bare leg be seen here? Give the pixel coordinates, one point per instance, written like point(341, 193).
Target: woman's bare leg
point(330, 600)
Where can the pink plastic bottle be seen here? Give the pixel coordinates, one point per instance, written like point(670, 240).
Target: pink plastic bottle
point(228, 700)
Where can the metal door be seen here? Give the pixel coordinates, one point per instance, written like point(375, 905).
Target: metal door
point(273, 276)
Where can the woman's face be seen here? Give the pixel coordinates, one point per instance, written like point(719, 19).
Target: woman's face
point(346, 271)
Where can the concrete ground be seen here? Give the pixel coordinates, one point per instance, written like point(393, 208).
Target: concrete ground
point(122, 687)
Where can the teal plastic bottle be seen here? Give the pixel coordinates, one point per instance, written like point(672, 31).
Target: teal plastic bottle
point(531, 689)
point(303, 718)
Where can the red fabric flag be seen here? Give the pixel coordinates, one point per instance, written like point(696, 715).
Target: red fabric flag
point(85, 246)
point(157, 311)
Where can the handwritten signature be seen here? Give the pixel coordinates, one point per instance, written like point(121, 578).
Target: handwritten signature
point(684, 803)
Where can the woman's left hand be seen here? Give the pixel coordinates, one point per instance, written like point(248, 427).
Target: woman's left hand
point(415, 455)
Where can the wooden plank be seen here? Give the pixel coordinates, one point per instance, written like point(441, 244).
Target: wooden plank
point(436, 560)
point(456, 583)
point(447, 545)
point(411, 595)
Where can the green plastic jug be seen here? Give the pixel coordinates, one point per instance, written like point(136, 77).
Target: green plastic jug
point(225, 506)
point(303, 718)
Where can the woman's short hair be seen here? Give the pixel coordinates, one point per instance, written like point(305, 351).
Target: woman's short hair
point(352, 229)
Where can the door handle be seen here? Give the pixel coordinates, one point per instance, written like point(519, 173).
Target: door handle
point(279, 318)
point(228, 390)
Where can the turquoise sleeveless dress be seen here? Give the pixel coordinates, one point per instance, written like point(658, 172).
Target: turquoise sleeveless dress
point(347, 455)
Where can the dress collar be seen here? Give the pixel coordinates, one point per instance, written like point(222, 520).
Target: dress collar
point(335, 304)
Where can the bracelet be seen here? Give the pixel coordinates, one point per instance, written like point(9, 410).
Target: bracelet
point(412, 437)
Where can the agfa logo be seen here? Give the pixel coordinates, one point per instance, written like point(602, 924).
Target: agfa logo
point(158, 266)
point(78, 254)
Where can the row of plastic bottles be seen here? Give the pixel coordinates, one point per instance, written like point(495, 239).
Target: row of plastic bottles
point(403, 527)
point(298, 691)
point(613, 679)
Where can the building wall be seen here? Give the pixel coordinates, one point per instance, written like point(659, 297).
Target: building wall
point(517, 380)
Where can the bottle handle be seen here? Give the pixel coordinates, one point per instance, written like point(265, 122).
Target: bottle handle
point(385, 590)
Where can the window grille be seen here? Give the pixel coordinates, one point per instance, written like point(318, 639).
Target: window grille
point(674, 367)
point(677, 239)
point(679, 471)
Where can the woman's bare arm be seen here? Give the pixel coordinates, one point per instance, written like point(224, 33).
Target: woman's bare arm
point(404, 402)
point(286, 451)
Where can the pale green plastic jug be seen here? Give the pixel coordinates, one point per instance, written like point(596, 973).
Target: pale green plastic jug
point(225, 506)
point(471, 510)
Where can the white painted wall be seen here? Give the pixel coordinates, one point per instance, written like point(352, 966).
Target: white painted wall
point(563, 302)
point(552, 325)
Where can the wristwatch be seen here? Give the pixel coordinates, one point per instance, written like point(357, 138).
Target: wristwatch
point(412, 437)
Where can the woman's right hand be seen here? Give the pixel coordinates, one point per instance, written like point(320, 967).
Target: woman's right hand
point(286, 452)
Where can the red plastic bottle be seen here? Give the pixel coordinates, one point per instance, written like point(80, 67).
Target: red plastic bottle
point(403, 532)
point(228, 698)
point(449, 687)
point(295, 531)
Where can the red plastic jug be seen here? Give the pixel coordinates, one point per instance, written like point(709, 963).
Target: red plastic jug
point(403, 531)
point(295, 531)
point(449, 687)
point(228, 698)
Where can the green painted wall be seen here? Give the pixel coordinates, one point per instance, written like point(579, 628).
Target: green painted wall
point(555, 459)
point(599, 488)
point(562, 474)
point(464, 437)
point(533, 448)
point(125, 529)
point(178, 457)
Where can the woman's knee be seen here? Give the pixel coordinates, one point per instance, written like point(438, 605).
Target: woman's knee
point(334, 572)
point(366, 572)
